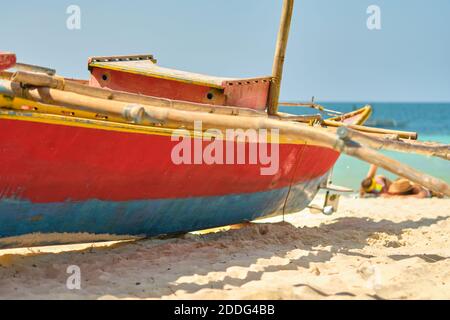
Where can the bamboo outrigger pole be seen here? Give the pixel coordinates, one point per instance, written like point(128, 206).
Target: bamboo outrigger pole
point(426, 149)
point(28, 79)
point(280, 53)
point(372, 130)
point(172, 118)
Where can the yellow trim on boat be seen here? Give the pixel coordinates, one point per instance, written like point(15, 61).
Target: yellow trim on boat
point(27, 110)
point(114, 126)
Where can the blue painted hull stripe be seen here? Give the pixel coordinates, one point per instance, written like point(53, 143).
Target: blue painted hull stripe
point(149, 217)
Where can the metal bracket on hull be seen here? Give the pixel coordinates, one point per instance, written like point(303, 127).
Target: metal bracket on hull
point(332, 197)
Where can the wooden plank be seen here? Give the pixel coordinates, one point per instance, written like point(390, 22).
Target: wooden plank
point(41, 80)
point(301, 118)
point(427, 149)
point(149, 69)
point(280, 53)
point(400, 134)
point(172, 118)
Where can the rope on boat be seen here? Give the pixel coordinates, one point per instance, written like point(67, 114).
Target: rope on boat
point(312, 105)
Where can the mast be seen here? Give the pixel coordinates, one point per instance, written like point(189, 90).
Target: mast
point(280, 53)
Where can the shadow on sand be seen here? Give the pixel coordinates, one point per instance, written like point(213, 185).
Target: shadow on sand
point(155, 267)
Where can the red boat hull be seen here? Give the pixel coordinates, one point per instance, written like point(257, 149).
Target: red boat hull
point(43, 163)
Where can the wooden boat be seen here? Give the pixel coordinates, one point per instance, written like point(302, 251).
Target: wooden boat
point(96, 156)
point(64, 170)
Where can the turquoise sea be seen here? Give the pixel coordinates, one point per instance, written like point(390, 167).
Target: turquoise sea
point(430, 120)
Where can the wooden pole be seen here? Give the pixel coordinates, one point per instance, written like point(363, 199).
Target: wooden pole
point(280, 53)
point(396, 167)
point(55, 82)
point(310, 105)
point(173, 118)
point(400, 134)
point(316, 118)
point(427, 149)
point(33, 68)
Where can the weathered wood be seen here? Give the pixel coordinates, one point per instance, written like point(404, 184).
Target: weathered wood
point(401, 134)
point(396, 167)
point(173, 118)
point(280, 53)
point(301, 118)
point(428, 149)
point(6, 75)
point(309, 105)
point(146, 65)
point(42, 80)
point(298, 104)
point(34, 68)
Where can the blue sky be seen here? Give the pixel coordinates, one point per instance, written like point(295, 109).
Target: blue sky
point(332, 55)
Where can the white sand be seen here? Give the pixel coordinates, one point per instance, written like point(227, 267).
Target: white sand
point(374, 248)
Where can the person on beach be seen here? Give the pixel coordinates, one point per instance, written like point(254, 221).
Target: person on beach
point(377, 185)
point(374, 184)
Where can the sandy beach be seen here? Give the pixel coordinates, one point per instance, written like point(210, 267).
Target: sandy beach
point(370, 249)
